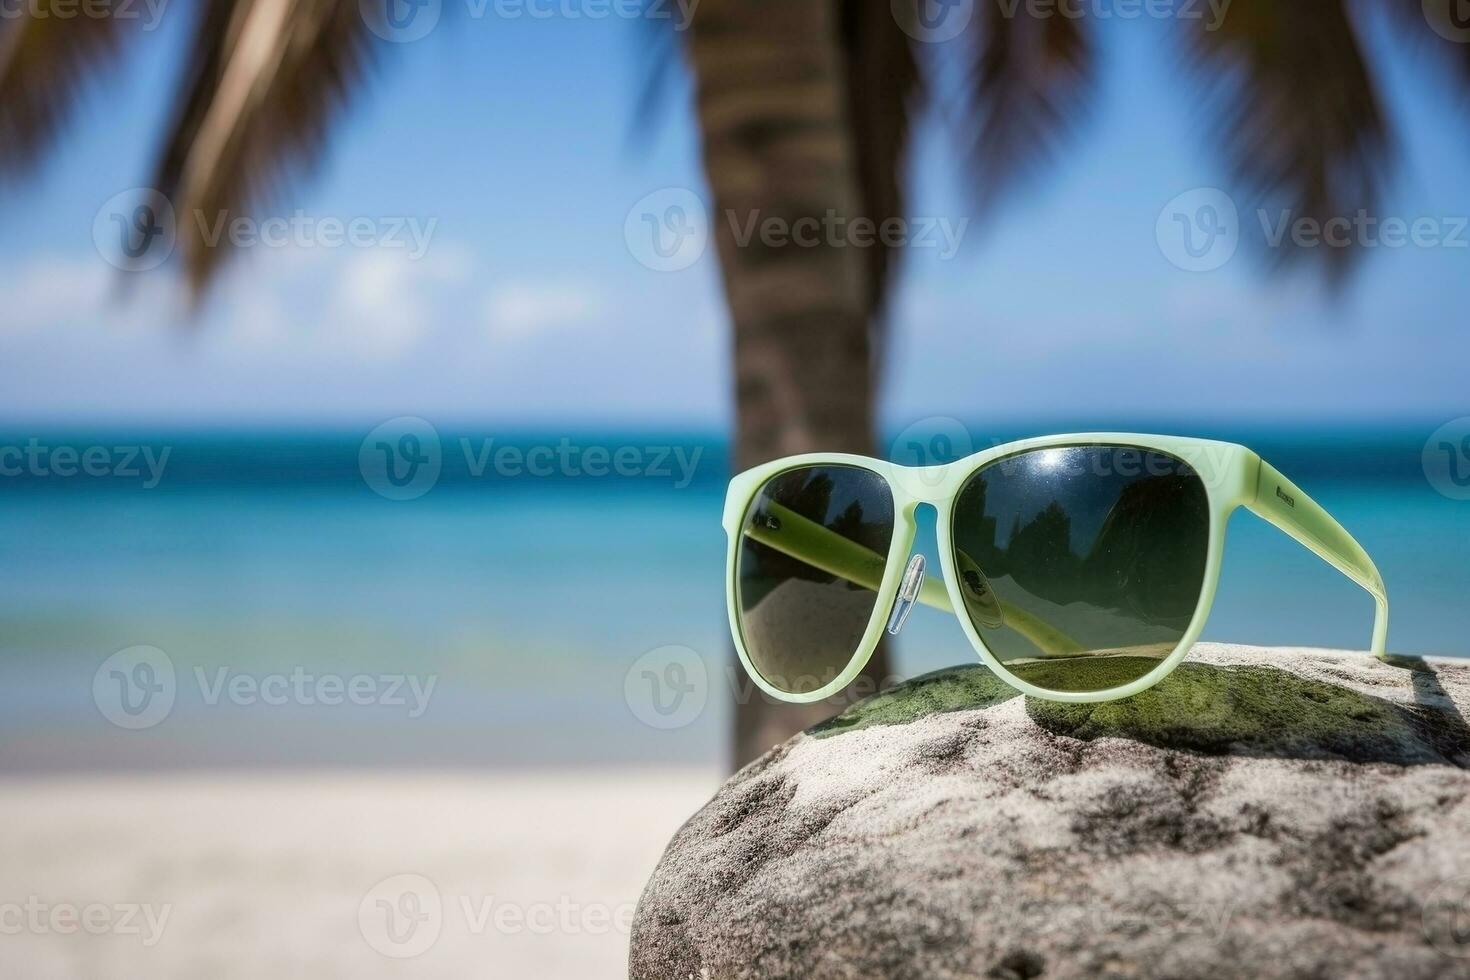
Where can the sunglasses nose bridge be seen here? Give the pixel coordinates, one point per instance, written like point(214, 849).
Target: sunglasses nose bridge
point(922, 485)
point(936, 479)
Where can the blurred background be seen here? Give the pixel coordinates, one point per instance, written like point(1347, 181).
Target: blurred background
point(360, 513)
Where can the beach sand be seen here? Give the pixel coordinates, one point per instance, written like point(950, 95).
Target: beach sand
point(302, 874)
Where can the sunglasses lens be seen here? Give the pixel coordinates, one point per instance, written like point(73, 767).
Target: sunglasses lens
point(1081, 567)
point(813, 547)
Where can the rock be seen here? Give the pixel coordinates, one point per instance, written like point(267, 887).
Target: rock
point(1260, 813)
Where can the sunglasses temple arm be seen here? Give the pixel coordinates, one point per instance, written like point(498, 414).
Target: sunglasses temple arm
point(786, 531)
point(1284, 504)
point(934, 595)
point(819, 546)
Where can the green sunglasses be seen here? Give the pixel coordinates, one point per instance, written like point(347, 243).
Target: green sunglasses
point(1083, 566)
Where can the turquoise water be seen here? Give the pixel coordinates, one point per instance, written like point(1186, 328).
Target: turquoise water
point(526, 599)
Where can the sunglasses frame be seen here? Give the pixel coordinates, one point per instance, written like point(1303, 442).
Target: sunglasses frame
point(1233, 477)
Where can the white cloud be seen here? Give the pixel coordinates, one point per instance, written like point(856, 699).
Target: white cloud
point(309, 333)
point(368, 304)
point(52, 290)
point(57, 293)
point(524, 310)
point(376, 307)
point(364, 304)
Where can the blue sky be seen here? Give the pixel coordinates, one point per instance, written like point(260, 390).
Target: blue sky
point(516, 139)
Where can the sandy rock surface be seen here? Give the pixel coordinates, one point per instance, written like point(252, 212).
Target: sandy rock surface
point(1263, 813)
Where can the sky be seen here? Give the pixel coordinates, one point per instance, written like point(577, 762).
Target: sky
point(511, 147)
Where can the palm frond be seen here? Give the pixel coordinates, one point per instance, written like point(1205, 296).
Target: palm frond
point(658, 52)
point(46, 62)
point(1298, 115)
point(1031, 81)
point(265, 81)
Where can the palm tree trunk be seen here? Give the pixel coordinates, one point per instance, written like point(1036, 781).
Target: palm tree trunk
point(777, 148)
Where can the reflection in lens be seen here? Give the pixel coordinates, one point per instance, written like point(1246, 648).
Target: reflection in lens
point(1081, 567)
point(802, 621)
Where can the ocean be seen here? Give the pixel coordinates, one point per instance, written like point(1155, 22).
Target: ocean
point(519, 608)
